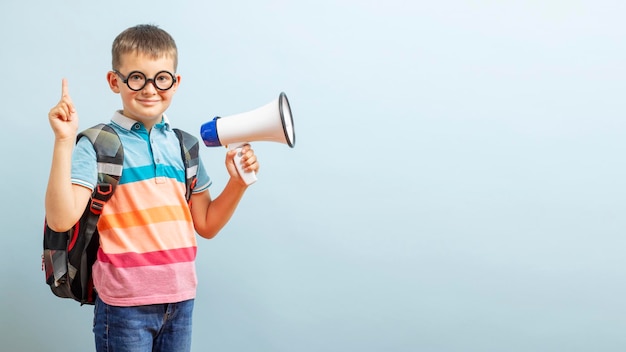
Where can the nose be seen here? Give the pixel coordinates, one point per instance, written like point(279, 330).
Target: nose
point(150, 85)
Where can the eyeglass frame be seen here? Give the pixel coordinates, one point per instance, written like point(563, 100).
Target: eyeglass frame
point(147, 80)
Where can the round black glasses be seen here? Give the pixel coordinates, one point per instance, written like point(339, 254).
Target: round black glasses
point(137, 80)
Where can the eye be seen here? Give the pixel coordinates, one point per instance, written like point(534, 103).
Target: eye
point(136, 77)
point(163, 78)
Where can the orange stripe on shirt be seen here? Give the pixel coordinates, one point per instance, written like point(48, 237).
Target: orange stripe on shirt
point(146, 194)
point(143, 217)
point(167, 235)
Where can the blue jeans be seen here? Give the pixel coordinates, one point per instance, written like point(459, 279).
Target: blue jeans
point(156, 327)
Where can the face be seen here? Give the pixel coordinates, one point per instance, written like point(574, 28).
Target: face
point(148, 104)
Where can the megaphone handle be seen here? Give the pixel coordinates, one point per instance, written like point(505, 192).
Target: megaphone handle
point(249, 177)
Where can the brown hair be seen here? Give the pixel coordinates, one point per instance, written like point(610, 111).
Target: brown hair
point(144, 39)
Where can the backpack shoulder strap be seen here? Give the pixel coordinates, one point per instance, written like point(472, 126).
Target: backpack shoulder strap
point(109, 152)
point(189, 148)
point(110, 159)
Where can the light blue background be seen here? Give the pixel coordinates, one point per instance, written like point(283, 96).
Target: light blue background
point(457, 182)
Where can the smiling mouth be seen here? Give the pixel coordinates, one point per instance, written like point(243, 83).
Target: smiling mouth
point(148, 102)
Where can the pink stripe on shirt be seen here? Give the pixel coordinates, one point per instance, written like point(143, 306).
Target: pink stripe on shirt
point(126, 260)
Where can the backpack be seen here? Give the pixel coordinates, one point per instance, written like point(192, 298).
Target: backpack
point(68, 256)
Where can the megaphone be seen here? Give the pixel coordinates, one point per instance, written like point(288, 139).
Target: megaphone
point(272, 122)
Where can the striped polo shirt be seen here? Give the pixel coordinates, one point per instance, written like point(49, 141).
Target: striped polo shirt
point(147, 240)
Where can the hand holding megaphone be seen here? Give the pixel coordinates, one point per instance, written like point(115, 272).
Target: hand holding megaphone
point(272, 122)
point(249, 177)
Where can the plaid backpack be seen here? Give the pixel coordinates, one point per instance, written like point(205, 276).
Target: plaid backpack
point(68, 256)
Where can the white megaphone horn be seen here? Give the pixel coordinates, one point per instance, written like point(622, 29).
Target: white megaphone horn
point(272, 122)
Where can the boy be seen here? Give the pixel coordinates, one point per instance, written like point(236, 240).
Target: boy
point(145, 272)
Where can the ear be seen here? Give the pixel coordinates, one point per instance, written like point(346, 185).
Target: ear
point(177, 82)
point(114, 81)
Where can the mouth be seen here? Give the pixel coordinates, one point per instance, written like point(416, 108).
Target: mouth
point(147, 102)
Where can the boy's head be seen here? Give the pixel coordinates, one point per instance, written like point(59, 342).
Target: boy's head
point(145, 60)
point(144, 39)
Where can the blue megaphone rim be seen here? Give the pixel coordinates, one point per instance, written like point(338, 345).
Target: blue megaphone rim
point(208, 132)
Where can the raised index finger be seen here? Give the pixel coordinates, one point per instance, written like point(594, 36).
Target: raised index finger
point(65, 96)
point(65, 92)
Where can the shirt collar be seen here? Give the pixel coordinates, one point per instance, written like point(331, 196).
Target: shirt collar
point(128, 123)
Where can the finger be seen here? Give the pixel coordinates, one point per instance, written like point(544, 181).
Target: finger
point(57, 114)
point(248, 162)
point(245, 148)
point(231, 154)
point(63, 113)
point(250, 156)
point(65, 95)
point(65, 92)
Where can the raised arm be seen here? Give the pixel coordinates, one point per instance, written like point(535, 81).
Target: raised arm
point(64, 202)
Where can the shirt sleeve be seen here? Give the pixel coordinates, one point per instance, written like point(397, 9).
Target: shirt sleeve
point(204, 181)
point(84, 164)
